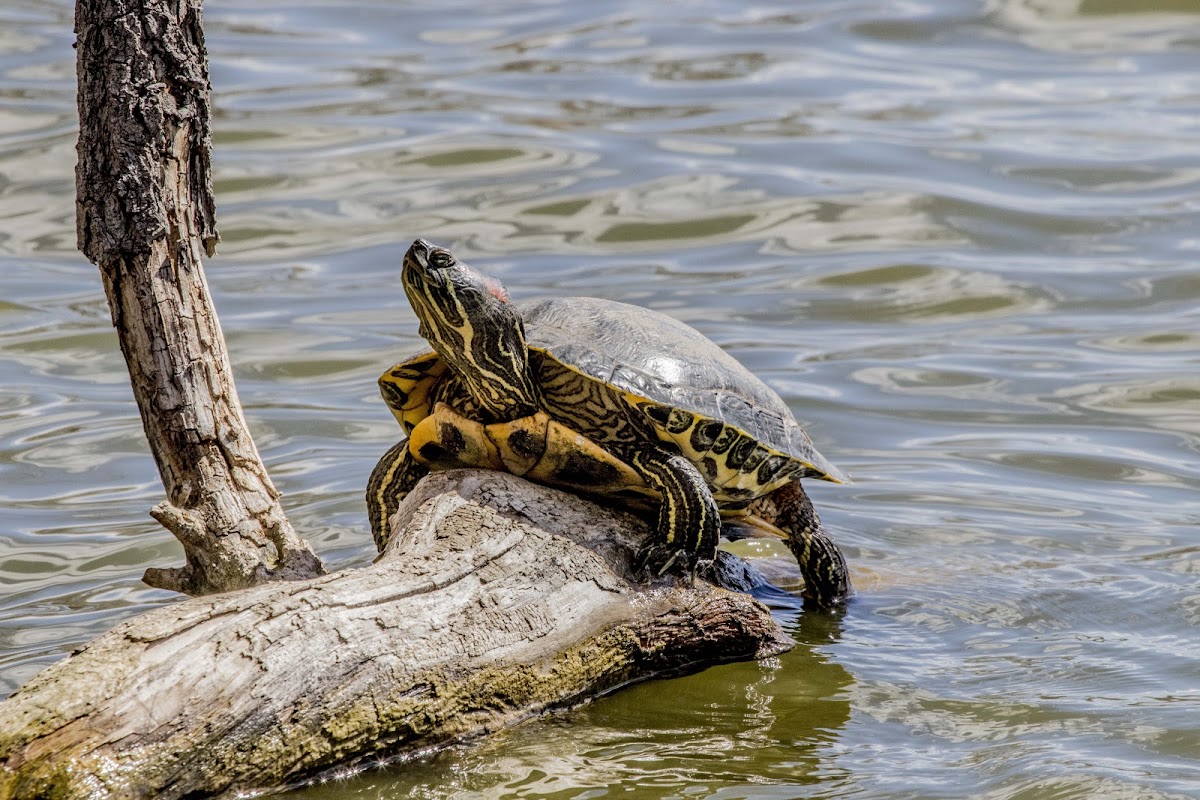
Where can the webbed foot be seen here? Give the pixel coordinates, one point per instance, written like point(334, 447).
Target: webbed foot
point(826, 577)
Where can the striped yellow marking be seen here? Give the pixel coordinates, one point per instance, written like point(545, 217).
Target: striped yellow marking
point(497, 376)
point(414, 381)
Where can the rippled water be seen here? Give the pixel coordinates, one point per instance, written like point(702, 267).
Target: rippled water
point(960, 238)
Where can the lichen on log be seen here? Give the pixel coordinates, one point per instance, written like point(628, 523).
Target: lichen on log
point(496, 600)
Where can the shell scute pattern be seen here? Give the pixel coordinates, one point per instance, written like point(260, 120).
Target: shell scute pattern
point(633, 381)
point(735, 465)
point(704, 435)
point(679, 421)
point(597, 376)
point(593, 408)
point(770, 468)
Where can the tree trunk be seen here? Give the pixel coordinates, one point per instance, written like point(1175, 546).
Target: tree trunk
point(495, 600)
point(144, 214)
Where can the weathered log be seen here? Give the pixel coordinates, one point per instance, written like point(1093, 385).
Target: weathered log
point(145, 212)
point(496, 600)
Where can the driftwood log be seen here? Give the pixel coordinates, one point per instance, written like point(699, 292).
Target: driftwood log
point(495, 600)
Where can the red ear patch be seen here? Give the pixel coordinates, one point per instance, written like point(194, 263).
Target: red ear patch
point(497, 290)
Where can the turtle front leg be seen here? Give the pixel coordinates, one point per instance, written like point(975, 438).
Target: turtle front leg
point(689, 523)
point(392, 479)
point(826, 577)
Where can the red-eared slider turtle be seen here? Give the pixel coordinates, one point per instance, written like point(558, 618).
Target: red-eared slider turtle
point(605, 399)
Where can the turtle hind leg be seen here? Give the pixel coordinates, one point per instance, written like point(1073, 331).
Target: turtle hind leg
point(689, 522)
point(826, 577)
point(392, 479)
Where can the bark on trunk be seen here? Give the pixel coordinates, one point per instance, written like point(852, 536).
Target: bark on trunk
point(496, 600)
point(144, 216)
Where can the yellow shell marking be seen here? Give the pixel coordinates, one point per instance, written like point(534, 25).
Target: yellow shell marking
point(406, 388)
point(447, 440)
point(735, 465)
point(535, 447)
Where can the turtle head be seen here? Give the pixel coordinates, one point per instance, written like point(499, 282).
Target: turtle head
point(475, 328)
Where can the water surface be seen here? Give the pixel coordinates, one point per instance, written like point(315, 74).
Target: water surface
point(958, 237)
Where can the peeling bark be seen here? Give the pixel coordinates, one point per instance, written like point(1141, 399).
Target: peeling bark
point(145, 214)
point(496, 600)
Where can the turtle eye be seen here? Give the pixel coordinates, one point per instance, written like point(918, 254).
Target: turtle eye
point(440, 259)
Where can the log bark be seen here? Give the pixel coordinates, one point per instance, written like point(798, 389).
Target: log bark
point(145, 214)
point(495, 600)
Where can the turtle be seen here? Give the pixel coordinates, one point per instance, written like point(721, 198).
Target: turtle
point(607, 400)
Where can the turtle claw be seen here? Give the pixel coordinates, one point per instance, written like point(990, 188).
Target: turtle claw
point(656, 560)
point(665, 568)
point(700, 566)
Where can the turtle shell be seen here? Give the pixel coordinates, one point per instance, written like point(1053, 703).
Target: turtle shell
point(650, 355)
point(693, 392)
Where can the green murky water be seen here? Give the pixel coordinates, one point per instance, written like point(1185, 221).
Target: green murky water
point(958, 236)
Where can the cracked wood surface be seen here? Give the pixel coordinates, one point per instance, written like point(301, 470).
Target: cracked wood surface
point(145, 216)
point(495, 601)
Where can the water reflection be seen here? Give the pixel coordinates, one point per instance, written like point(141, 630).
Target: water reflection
point(770, 724)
